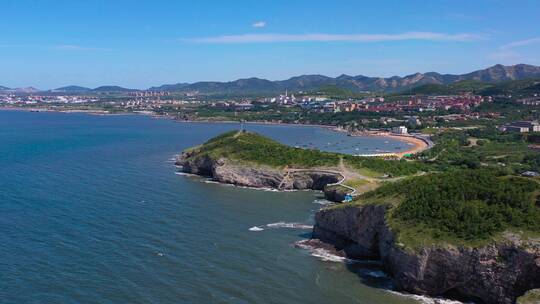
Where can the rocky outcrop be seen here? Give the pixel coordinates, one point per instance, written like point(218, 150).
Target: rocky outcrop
point(230, 172)
point(335, 193)
point(495, 273)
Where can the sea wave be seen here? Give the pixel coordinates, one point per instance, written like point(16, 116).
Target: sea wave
point(322, 202)
point(289, 225)
point(425, 299)
point(255, 228)
point(376, 273)
point(173, 159)
point(209, 181)
point(185, 174)
point(321, 253)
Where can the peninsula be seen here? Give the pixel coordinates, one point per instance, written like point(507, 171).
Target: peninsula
point(438, 226)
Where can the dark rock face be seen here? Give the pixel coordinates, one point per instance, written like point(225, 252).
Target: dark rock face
point(495, 273)
point(335, 194)
point(354, 230)
point(229, 172)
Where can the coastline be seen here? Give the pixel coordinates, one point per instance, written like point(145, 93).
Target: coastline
point(418, 144)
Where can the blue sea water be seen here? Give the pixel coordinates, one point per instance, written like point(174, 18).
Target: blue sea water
point(91, 211)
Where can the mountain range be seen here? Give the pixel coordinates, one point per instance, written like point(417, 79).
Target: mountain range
point(358, 83)
point(307, 83)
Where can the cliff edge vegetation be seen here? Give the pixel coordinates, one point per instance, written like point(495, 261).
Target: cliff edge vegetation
point(254, 148)
point(257, 149)
point(249, 159)
point(461, 207)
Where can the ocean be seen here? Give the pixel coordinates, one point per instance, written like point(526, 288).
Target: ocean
point(92, 211)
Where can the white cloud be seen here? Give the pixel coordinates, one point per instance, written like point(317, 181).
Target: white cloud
point(520, 43)
point(507, 53)
point(259, 24)
point(269, 38)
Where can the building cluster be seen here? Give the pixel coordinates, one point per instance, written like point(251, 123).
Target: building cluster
point(320, 104)
point(13, 99)
point(521, 127)
point(530, 101)
point(463, 103)
point(233, 105)
point(428, 103)
point(154, 103)
point(148, 94)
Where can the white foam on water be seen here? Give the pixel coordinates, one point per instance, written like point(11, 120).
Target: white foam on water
point(322, 202)
point(376, 274)
point(173, 158)
point(321, 253)
point(255, 228)
point(289, 225)
point(185, 174)
point(425, 299)
point(209, 181)
point(326, 256)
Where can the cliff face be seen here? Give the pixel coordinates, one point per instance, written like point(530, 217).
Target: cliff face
point(226, 171)
point(496, 273)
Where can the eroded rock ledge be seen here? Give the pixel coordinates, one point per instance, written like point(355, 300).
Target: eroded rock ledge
point(496, 273)
point(230, 172)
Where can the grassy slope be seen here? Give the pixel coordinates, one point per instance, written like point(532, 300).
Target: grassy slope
point(464, 207)
point(254, 148)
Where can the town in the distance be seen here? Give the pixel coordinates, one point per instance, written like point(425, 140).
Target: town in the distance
point(505, 97)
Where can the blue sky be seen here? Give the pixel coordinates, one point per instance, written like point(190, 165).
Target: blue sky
point(138, 44)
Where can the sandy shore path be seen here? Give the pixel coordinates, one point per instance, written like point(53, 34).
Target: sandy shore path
point(417, 144)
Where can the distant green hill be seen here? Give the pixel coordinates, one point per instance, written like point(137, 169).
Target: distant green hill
point(515, 87)
point(519, 87)
point(359, 83)
point(114, 89)
point(72, 89)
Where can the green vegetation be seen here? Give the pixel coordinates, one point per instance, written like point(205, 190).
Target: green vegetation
point(337, 92)
point(531, 297)
point(385, 167)
point(515, 87)
point(450, 89)
point(459, 206)
point(252, 147)
point(507, 151)
point(255, 148)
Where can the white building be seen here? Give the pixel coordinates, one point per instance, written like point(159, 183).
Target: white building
point(522, 127)
point(399, 130)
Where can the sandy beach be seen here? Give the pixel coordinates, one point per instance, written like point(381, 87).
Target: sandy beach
point(417, 145)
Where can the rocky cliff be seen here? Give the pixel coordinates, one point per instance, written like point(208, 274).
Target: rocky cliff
point(250, 175)
point(495, 273)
